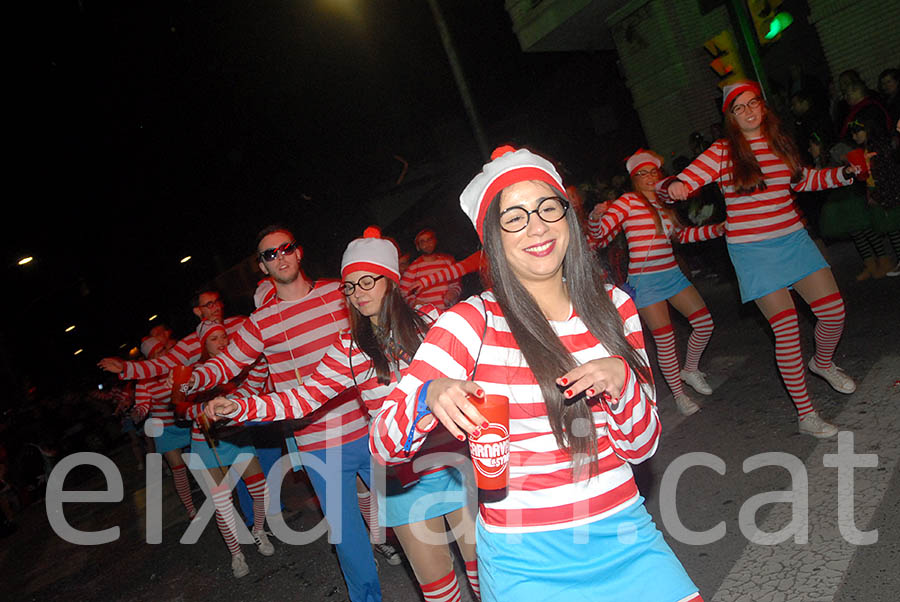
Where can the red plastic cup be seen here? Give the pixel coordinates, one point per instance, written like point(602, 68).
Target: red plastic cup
point(180, 377)
point(490, 451)
point(857, 158)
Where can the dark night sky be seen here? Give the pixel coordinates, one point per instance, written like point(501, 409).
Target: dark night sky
point(146, 131)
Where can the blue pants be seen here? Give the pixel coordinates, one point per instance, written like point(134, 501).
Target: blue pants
point(348, 531)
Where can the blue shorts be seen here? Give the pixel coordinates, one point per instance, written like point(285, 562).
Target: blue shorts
point(434, 494)
point(657, 286)
point(618, 558)
point(228, 453)
point(173, 437)
point(769, 265)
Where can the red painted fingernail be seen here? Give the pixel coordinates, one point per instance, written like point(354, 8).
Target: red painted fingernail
point(564, 381)
point(461, 437)
point(485, 424)
point(568, 393)
point(591, 392)
point(476, 433)
point(479, 393)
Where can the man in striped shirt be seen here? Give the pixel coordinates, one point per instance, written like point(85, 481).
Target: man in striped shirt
point(294, 330)
point(441, 294)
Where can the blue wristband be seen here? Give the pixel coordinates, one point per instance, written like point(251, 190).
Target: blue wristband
point(421, 411)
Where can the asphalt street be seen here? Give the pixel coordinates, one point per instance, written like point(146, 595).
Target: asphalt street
point(754, 510)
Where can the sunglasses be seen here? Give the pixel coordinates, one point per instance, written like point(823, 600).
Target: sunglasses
point(285, 249)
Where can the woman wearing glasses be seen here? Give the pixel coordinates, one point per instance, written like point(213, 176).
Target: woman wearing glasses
point(757, 167)
point(372, 356)
point(567, 350)
point(655, 276)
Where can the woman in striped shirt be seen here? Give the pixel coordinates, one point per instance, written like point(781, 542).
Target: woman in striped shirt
point(757, 167)
point(655, 275)
point(568, 353)
point(372, 355)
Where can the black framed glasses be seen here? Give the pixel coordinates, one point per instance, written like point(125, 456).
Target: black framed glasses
point(751, 104)
point(285, 249)
point(550, 210)
point(647, 172)
point(210, 304)
point(366, 283)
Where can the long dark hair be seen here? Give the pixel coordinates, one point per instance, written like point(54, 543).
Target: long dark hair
point(545, 353)
point(747, 175)
point(654, 210)
point(398, 324)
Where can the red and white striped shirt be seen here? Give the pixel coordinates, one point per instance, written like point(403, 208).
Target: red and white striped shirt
point(294, 335)
point(762, 214)
point(649, 251)
point(434, 294)
point(153, 396)
point(454, 272)
point(186, 352)
point(543, 494)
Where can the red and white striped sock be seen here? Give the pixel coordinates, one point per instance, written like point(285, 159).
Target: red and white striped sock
point(667, 356)
point(368, 505)
point(221, 496)
point(702, 324)
point(472, 575)
point(830, 325)
point(183, 488)
point(790, 359)
point(445, 589)
point(256, 485)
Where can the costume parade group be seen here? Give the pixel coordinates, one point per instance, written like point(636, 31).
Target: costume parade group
point(383, 369)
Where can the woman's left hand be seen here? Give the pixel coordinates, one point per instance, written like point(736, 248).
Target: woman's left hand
point(218, 407)
point(596, 377)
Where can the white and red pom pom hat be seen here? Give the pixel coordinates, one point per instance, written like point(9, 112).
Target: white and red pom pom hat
point(371, 253)
point(507, 167)
point(206, 328)
point(642, 158)
point(732, 91)
point(150, 345)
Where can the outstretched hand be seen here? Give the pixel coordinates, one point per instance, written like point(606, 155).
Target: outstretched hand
point(218, 408)
point(112, 364)
point(678, 190)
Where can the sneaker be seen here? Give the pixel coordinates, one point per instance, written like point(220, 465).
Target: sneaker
point(263, 544)
point(894, 272)
point(239, 566)
point(697, 380)
point(813, 424)
point(390, 553)
point(837, 378)
point(686, 405)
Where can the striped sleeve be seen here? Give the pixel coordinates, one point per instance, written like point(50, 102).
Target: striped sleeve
point(821, 179)
point(634, 428)
point(142, 399)
point(256, 382)
point(244, 347)
point(408, 280)
point(184, 353)
point(603, 229)
point(699, 233)
point(446, 352)
point(705, 169)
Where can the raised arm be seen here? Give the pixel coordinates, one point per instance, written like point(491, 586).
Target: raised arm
point(822, 179)
point(452, 272)
point(705, 169)
point(244, 348)
point(603, 228)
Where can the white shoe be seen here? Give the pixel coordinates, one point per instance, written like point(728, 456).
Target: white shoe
point(813, 424)
point(390, 553)
point(263, 544)
point(686, 405)
point(239, 566)
point(895, 271)
point(837, 378)
point(697, 380)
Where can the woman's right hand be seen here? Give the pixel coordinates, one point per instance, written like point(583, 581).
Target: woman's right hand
point(112, 364)
point(218, 408)
point(447, 399)
point(678, 190)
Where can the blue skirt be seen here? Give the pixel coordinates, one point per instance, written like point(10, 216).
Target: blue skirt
point(769, 265)
point(657, 286)
point(619, 558)
point(172, 437)
point(228, 453)
point(433, 495)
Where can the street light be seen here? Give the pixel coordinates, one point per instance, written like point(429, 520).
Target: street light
point(25, 260)
point(70, 328)
point(151, 318)
point(79, 351)
point(186, 259)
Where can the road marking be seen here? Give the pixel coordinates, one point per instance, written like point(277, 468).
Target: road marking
point(789, 572)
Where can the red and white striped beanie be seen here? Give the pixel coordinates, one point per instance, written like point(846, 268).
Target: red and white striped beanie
point(206, 328)
point(732, 91)
point(642, 158)
point(508, 166)
point(149, 345)
point(265, 292)
point(371, 253)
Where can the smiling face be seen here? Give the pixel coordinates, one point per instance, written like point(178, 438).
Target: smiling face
point(368, 303)
point(645, 179)
point(285, 268)
point(750, 119)
point(216, 342)
point(426, 242)
point(535, 254)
